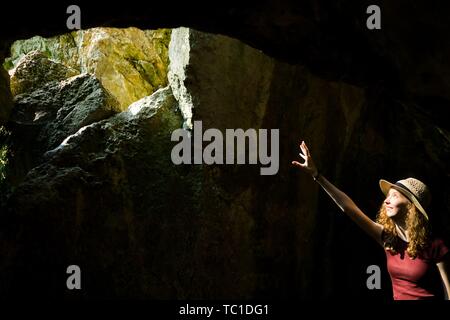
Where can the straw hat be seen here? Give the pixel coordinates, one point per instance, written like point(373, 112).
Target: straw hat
point(415, 190)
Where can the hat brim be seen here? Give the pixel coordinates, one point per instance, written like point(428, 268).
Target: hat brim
point(386, 185)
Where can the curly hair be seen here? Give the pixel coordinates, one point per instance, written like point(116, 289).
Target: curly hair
point(417, 226)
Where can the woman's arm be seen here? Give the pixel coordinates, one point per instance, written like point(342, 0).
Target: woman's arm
point(346, 204)
point(444, 270)
point(340, 198)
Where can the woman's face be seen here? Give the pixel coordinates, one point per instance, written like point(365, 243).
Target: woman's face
point(396, 204)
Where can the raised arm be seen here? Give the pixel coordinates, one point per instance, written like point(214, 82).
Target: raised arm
point(340, 198)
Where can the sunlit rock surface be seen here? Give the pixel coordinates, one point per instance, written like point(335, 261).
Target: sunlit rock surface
point(179, 55)
point(34, 70)
point(62, 49)
point(130, 63)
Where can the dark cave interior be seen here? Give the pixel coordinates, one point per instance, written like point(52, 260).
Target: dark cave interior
point(289, 240)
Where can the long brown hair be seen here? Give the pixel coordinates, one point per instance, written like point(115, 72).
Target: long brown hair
point(417, 226)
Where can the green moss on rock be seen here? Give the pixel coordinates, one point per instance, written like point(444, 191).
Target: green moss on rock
point(130, 63)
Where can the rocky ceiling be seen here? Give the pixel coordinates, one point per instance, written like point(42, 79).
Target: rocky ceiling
point(330, 37)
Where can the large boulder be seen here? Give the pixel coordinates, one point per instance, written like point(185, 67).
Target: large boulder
point(62, 49)
point(130, 63)
point(201, 61)
point(34, 70)
point(42, 119)
point(133, 222)
point(231, 85)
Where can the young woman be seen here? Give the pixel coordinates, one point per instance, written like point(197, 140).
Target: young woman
point(419, 266)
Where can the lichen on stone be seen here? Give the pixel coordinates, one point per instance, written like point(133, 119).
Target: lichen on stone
point(130, 63)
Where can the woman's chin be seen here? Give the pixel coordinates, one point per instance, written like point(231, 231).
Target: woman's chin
point(391, 214)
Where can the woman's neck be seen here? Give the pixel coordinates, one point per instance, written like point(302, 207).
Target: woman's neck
point(402, 231)
point(401, 227)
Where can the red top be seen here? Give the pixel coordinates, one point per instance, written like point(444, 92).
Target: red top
point(417, 279)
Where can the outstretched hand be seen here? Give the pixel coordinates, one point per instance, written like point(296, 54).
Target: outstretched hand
point(308, 165)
